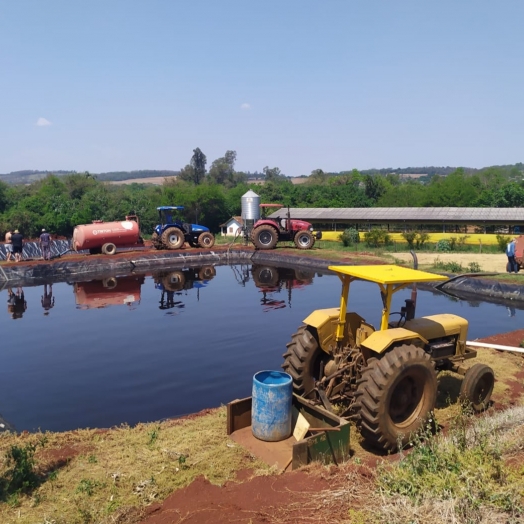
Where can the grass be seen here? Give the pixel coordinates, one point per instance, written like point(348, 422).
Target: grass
point(462, 476)
point(117, 470)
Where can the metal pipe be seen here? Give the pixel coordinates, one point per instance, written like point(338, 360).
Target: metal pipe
point(494, 346)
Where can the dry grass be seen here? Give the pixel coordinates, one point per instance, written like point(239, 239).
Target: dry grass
point(122, 468)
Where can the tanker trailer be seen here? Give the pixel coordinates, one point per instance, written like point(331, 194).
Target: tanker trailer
point(105, 237)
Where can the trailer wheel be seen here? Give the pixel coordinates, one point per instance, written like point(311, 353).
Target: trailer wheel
point(304, 240)
point(477, 386)
point(265, 237)
point(109, 249)
point(110, 283)
point(206, 240)
point(173, 238)
point(303, 359)
point(207, 272)
point(395, 396)
point(174, 281)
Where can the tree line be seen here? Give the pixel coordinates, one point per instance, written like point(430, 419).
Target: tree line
point(211, 196)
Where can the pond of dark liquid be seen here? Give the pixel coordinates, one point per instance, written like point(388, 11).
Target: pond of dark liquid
point(143, 348)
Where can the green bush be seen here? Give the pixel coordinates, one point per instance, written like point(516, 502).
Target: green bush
point(502, 242)
point(474, 267)
point(377, 237)
point(415, 239)
point(444, 245)
point(451, 267)
point(349, 237)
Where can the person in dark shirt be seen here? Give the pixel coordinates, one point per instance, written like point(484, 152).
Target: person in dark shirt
point(17, 239)
point(45, 245)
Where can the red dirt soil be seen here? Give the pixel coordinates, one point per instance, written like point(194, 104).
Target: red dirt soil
point(286, 498)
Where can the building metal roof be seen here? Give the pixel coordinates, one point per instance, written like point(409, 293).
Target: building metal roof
point(506, 215)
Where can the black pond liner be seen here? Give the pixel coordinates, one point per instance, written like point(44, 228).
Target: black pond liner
point(63, 270)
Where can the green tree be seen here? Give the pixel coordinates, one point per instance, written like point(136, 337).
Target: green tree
point(195, 171)
point(222, 169)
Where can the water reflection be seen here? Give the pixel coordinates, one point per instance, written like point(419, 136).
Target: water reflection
point(16, 303)
point(48, 300)
point(272, 280)
point(174, 283)
point(113, 291)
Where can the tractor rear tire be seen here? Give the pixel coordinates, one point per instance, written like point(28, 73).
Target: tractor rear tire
point(207, 272)
point(173, 238)
point(302, 360)
point(174, 281)
point(265, 237)
point(477, 386)
point(395, 396)
point(304, 240)
point(206, 240)
point(109, 249)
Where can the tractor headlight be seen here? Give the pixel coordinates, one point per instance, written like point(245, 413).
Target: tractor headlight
point(311, 228)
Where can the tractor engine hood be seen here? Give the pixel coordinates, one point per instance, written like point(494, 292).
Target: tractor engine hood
point(301, 225)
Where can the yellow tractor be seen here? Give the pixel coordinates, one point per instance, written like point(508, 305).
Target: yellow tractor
point(385, 378)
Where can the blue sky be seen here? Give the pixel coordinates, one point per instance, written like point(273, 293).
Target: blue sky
point(106, 85)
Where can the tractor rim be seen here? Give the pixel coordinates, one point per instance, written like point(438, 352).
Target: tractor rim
point(303, 239)
point(265, 237)
point(406, 399)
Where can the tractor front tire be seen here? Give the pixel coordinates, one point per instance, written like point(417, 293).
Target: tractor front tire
point(265, 237)
point(304, 240)
point(206, 240)
point(477, 386)
point(173, 238)
point(174, 281)
point(302, 360)
point(395, 396)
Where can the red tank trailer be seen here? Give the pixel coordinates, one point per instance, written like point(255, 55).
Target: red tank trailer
point(110, 291)
point(105, 237)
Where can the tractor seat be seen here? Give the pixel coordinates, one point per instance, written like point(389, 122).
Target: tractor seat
point(187, 227)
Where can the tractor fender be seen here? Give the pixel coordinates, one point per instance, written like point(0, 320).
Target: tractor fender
point(324, 324)
point(380, 341)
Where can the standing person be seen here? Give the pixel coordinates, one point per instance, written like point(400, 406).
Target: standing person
point(18, 244)
point(8, 246)
point(45, 245)
point(510, 253)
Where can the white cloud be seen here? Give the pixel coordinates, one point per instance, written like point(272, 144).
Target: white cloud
point(41, 122)
point(245, 106)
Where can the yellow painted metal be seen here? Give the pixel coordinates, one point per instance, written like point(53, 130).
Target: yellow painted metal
point(380, 341)
point(471, 239)
point(390, 279)
point(326, 321)
point(343, 307)
point(387, 274)
point(433, 327)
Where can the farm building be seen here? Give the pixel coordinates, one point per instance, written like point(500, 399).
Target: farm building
point(232, 227)
point(463, 220)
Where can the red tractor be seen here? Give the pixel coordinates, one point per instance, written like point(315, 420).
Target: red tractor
point(268, 231)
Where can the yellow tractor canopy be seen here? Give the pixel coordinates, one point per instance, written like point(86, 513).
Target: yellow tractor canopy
point(390, 279)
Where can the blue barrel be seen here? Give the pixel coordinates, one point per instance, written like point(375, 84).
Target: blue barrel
point(271, 408)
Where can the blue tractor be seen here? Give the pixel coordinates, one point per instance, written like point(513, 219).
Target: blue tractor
point(172, 231)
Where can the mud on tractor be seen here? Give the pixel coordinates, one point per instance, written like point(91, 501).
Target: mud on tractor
point(172, 231)
point(386, 379)
point(267, 232)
